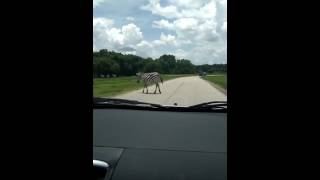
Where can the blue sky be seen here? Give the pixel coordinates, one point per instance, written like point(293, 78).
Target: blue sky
point(194, 30)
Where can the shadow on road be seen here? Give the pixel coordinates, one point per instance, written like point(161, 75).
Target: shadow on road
point(150, 93)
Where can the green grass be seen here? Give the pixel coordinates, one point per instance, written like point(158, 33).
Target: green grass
point(219, 80)
point(108, 87)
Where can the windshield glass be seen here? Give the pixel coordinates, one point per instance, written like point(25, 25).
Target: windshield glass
point(167, 52)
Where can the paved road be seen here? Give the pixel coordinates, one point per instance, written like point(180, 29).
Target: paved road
point(184, 91)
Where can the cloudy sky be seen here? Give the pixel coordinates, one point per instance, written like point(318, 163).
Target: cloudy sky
point(190, 29)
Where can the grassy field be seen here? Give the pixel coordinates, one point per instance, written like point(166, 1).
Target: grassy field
point(108, 87)
point(219, 80)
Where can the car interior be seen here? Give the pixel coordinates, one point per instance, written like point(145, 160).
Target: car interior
point(149, 144)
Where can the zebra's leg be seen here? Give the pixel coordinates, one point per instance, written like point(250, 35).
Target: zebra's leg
point(156, 88)
point(159, 89)
point(145, 86)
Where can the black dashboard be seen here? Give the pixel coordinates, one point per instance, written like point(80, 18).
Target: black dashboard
point(140, 144)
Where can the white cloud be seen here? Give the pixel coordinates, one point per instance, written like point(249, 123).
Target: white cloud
point(129, 39)
point(180, 54)
point(196, 31)
point(207, 54)
point(224, 27)
point(186, 23)
point(94, 48)
point(164, 24)
point(144, 44)
point(188, 3)
point(158, 42)
point(182, 9)
point(131, 34)
point(208, 11)
point(155, 7)
point(188, 29)
point(129, 18)
point(101, 26)
point(165, 40)
point(102, 23)
point(169, 39)
point(197, 24)
point(114, 36)
point(146, 49)
point(97, 3)
point(107, 36)
point(202, 23)
point(207, 31)
point(203, 55)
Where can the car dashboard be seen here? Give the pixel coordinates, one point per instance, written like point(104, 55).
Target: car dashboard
point(152, 145)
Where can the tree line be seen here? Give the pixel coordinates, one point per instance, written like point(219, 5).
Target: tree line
point(109, 62)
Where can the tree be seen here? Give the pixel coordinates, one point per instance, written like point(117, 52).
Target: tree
point(100, 66)
point(167, 63)
point(184, 66)
point(108, 62)
point(153, 66)
point(115, 68)
point(103, 52)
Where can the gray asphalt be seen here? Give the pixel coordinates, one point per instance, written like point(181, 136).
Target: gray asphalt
point(185, 91)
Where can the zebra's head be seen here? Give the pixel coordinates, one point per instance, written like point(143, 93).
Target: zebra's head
point(139, 74)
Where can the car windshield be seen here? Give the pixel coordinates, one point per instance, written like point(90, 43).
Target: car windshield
point(167, 52)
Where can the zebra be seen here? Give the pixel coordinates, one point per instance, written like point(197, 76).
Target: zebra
point(148, 79)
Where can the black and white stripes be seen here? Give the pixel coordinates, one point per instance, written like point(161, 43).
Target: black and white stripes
point(148, 79)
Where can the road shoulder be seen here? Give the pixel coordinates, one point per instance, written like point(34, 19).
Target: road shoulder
point(224, 91)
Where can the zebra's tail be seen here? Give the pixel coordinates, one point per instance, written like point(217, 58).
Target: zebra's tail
point(161, 80)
